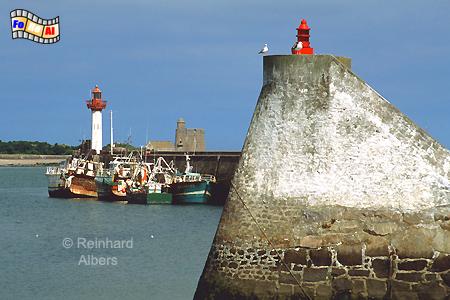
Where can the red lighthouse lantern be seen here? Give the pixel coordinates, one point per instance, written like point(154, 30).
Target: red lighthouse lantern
point(96, 103)
point(302, 45)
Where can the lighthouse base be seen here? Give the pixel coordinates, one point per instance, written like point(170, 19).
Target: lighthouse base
point(303, 51)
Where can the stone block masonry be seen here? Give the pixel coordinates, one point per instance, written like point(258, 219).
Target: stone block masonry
point(337, 255)
point(337, 195)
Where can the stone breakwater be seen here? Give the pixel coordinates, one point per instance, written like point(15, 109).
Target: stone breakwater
point(341, 252)
point(30, 159)
point(352, 195)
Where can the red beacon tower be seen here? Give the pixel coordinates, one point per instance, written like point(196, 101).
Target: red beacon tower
point(96, 105)
point(302, 45)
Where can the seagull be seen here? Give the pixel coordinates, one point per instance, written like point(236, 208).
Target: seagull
point(298, 45)
point(264, 50)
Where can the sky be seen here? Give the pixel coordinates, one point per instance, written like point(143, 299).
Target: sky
point(156, 61)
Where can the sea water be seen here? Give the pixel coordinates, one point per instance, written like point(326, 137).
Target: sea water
point(85, 249)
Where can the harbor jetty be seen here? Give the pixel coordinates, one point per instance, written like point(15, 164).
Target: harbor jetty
point(151, 175)
point(221, 164)
point(337, 195)
point(30, 159)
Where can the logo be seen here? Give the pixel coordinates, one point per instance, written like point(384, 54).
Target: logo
point(98, 244)
point(26, 25)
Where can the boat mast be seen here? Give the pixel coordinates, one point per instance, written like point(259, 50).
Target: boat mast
point(111, 142)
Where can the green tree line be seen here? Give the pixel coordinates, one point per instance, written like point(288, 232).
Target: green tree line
point(43, 148)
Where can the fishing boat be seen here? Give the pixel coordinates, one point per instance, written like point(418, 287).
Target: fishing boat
point(191, 187)
point(74, 179)
point(151, 183)
point(111, 184)
point(151, 193)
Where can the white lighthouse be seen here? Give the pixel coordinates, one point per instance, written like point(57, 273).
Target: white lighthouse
point(96, 105)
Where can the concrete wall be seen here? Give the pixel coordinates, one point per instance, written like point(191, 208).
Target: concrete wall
point(337, 194)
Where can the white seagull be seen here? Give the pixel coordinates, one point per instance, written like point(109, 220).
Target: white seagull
point(298, 46)
point(264, 50)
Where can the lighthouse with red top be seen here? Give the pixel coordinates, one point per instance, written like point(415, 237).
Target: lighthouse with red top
point(96, 105)
point(302, 45)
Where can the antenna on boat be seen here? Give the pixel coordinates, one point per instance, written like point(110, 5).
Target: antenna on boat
point(146, 143)
point(128, 140)
point(188, 164)
point(195, 144)
point(112, 141)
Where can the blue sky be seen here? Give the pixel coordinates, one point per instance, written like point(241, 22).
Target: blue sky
point(157, 61)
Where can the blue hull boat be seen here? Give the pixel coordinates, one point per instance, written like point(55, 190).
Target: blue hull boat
point(192, 192)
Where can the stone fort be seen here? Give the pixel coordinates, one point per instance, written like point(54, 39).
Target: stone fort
point(186, 140)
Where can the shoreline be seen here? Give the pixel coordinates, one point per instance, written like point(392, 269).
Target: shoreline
point(30, 160)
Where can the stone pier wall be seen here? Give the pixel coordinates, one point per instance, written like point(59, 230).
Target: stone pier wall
point(343, 254)
point(338, 184)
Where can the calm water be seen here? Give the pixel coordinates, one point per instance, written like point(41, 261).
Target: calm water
point(169, 248)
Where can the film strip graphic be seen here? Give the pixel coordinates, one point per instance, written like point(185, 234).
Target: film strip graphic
point(26, 25)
